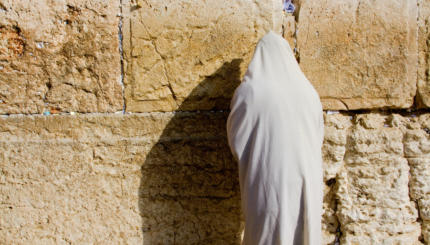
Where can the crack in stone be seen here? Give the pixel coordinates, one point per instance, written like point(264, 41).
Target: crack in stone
point(296, 15)
point(346, 106)
point(169, 85)
point(121, 52)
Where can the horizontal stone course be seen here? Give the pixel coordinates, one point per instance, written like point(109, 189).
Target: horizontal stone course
point(158, 177)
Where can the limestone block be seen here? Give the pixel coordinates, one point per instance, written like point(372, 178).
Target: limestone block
point(359, 54)
point(423, 93)
point(333, 150)
point(417, 143)
point(156, 178)
point(374, 204)
point(420, 178)
point(59, 56)
point(187, 55)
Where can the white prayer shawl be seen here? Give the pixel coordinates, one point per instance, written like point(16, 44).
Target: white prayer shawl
point(275, 131)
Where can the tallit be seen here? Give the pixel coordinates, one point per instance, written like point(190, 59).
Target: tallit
point(275, 131)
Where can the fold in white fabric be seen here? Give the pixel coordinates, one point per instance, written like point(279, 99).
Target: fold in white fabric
point(275, 132)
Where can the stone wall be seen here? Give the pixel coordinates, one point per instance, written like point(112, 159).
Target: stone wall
point(112, 126)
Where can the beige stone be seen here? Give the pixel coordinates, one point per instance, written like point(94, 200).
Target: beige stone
point(359, 54)
point(423, 93)
point(163, 177)
point(187, 55)
point(289, 29)
point(373, 187)
point(59, 56)
point(125, 179)
point(330, 223)
point(333, 150)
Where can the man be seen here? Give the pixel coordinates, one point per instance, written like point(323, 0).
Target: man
point(275, 131)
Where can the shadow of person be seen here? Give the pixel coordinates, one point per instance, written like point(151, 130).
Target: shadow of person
point(189, 190)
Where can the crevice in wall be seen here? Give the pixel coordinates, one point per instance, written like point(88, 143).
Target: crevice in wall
point(417, 100)
point(348, 146)
point(296, 14)
point(332, 183)
point(121, 52)
point(411, 198)
point(402, 112)
point(338, 234)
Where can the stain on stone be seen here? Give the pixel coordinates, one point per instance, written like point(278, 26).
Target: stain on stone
point(73, 10)
point(11, 42)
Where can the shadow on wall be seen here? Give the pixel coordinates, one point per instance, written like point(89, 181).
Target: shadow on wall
point(189, 191)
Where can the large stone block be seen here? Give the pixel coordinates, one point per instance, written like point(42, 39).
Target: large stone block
point(358, 53)
point(59, 56)
point(187, 55)
point(374, 204)
point(423, 93)
point(156, 178)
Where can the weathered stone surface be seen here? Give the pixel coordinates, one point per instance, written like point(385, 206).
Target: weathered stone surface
point(374, 204)
point(423, 93)
point(59, 56)
point(289, 29)
point(187, 55)
point(335, 133)
point(157, 178)
point(333, 151)
point(360, 54)
point(164, 177)
point(417, 149)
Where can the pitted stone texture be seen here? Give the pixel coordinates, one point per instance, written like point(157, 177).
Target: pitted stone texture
point(334, 146)
point(187, 55)
point(59, 56)
point(417, 149)
point(423, 93)
point(347, 58)
point(374, 204)
point(333, 152)
point(329, 223)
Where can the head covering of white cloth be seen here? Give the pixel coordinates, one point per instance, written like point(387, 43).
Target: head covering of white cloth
point(275, 131)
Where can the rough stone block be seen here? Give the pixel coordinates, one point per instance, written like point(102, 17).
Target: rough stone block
point(359, 54)
point(423, 93)
point(374, 204)
point(333, 150)
point(186, 55)
point(59, 56)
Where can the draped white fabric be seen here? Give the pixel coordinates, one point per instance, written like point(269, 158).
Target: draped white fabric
point(275, 131)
